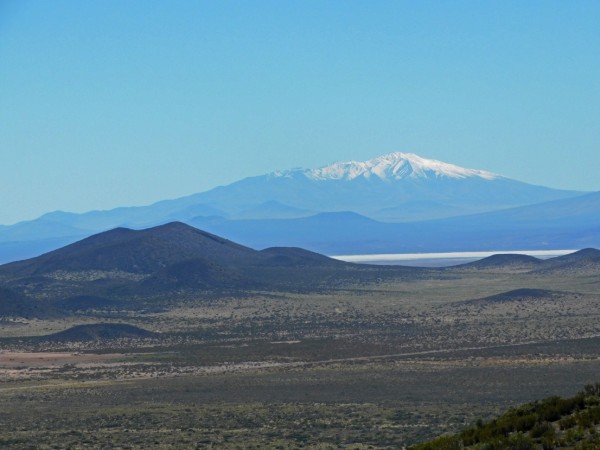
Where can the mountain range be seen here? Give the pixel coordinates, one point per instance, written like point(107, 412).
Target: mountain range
point(560, 224)
point(393, 203)
point(124, 269)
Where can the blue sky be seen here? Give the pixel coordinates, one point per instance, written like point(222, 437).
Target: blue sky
point(112, 103)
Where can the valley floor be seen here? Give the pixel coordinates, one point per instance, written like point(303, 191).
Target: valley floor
point(374, 366)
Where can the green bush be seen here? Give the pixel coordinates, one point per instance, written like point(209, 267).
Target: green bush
point(533, 426)
point(592, 389)
point(441, 443)
point(567, 423)
point(540, 429)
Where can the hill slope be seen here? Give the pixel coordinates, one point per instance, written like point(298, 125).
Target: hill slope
point(557, 423)
point(117, 268)
point(14, 304)
point(131, 251)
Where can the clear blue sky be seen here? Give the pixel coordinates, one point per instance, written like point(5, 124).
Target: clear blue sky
point(112, 103)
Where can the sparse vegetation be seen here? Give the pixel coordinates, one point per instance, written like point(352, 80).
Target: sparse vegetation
point(370, 359)
point(552, 423)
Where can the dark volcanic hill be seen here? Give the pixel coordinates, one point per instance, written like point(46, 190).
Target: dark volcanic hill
point(581, 257)
point(117, 268)
point(295, 257)
point(14, 304)
point(586, 261)
point(149, 269)
point(583, 261)
point(518, 295)
point(198, 273)
point(508, 262)
point(134, 251)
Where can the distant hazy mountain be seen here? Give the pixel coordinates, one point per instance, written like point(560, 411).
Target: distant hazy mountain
point(398, 187)
point(394, 187)
point(560, 224)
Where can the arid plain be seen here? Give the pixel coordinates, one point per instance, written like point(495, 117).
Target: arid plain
point(381, 363)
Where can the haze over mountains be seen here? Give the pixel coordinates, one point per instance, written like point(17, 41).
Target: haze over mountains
point(559, 224)
point(394, 203)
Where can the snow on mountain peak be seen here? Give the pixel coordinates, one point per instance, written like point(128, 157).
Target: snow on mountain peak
point(393, 166)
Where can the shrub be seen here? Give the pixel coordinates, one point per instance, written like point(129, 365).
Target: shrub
point(567, 422)
point(441, 443)
point(542, 429)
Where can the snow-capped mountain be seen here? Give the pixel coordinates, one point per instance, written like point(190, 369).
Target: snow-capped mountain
point(393, 166)
point(396, 187)
point(392, 187)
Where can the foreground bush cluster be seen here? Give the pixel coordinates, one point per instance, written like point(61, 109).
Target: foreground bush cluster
point(552, 423)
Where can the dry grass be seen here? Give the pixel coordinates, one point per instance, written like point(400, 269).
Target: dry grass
point(391, 363)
